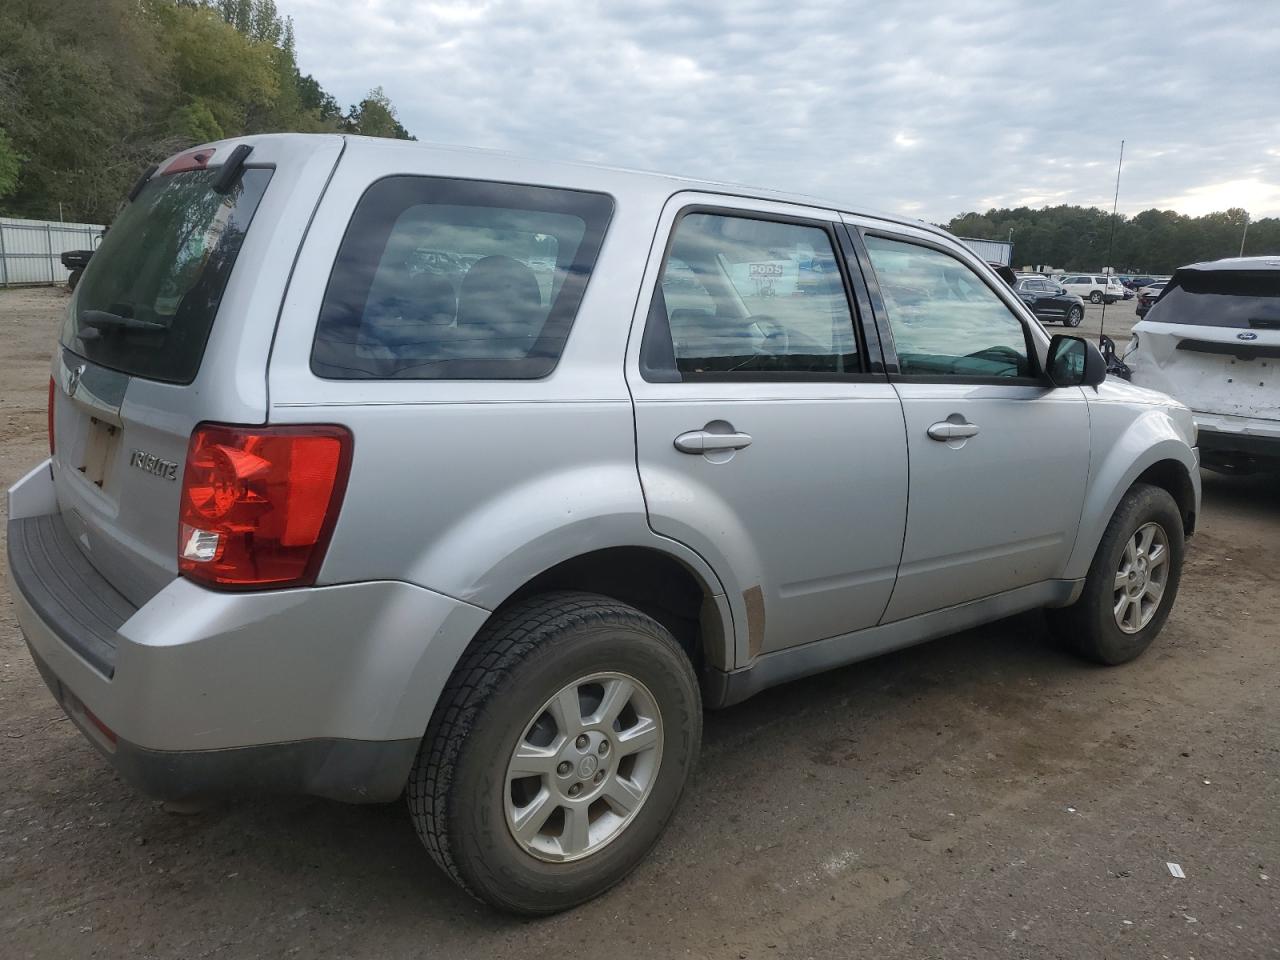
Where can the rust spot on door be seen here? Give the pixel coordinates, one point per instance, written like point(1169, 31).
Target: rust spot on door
point(753, 597)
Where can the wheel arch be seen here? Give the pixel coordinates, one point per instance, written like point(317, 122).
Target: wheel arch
point(1173, 476)
point(685, 598)
point(1151, 450)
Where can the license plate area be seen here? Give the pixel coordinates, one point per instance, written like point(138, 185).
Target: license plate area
point(100, 448)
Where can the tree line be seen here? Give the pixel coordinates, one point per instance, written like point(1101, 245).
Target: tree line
point(1153, 241)
point(94, 91)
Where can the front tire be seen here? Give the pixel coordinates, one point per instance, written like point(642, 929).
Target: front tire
point(1074, 316)
point(1132, 582)
point(557, 753)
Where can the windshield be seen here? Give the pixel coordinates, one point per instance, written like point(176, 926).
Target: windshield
point(150, 293)
point(1221, 298)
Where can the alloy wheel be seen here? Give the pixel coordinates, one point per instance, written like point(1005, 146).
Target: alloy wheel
point(583, 767)
point(1141, 578)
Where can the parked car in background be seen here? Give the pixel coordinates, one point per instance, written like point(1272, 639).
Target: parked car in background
point(310, 523)
point(1212, 341)
point(1152, 288)
point(1095, 287)
point(1146, 297)
point(1049, 301)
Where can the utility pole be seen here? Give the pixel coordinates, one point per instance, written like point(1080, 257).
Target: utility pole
point(1246, 232)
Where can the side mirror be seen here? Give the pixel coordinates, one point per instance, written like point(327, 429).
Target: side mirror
point(1074, 362)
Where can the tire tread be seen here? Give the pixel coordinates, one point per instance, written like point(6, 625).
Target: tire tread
point(505, 641)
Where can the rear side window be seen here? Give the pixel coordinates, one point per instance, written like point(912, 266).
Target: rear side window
point(457, 279)
point(1221, 298)
point(149, 296)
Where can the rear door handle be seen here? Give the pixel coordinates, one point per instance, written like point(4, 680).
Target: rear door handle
point(951, 430)
point(704, 441)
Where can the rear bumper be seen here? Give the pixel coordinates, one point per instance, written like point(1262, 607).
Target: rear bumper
point(325, 690)
point(1247, 437)
point(355, 771)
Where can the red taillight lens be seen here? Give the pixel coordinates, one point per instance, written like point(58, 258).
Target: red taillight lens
point(259, 503)
point(53, 392)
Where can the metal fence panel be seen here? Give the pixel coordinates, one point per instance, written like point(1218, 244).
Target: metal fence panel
point(31, 250)
point(993, 251)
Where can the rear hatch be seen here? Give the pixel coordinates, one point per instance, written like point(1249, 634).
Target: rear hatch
point(1212, 339)
point(170, 326)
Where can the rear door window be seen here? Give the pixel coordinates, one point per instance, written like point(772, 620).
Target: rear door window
point(1222, 298)
point(151, 291)
point(743, 298)
point(457, 279)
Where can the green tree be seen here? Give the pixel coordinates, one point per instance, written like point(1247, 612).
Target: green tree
point(10, 164)
point(1156, 241)
point(374, 116)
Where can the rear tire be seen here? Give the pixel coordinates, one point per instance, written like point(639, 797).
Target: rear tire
point(468, 792)
point(1092, 624)
point(1095, 296)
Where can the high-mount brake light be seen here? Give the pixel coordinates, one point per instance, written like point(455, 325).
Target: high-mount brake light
point(259, 503)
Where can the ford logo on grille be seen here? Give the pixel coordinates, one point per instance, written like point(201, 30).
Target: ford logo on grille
point(1247, 335)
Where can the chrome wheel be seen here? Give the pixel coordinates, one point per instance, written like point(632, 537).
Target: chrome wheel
point(583, 767)
point(1141, 579)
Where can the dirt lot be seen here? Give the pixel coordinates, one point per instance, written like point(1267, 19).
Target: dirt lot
point(985, 795)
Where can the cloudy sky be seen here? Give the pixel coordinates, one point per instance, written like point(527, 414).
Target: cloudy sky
point(927, 107)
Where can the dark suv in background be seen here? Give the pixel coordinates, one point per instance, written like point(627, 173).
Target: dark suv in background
point(1048, 301)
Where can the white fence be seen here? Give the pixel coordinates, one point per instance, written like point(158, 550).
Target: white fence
point(993, 251)
point(30, 250)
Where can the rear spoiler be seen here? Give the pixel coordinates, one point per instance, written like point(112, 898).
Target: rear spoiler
point(198, 159)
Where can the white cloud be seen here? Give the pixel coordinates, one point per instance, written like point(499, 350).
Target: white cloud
point(1252, 194)
point(935, 107)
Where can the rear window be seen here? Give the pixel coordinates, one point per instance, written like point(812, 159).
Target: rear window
point(1221, 298)
point(457, 279)
point(149, 296)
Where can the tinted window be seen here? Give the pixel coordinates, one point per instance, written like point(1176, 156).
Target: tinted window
point(742, 297)
point(149, 296)
point(457, 279)
point(1221, 298)
point(945, 320)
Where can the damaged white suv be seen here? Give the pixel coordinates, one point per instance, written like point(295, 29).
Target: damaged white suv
point(1212, 341)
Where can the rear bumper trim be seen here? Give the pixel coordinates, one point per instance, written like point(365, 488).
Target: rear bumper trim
point(354, 771)
point(1252, 445)
point(65, 590)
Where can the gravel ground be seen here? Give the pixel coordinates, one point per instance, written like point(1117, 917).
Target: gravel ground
point(985, 795)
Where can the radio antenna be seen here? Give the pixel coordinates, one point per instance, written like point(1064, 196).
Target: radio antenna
point(1111, 246)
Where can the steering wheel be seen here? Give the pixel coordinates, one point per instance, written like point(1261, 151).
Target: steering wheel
point(999, 354)
point(775, 341)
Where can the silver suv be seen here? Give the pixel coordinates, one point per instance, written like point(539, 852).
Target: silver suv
point(381, 469)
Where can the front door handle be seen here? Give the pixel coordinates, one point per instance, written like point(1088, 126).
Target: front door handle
point(953, 430)
point(704, 441)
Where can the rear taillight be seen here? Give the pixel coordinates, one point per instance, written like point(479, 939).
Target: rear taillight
point(53, 392)
point(259, 503)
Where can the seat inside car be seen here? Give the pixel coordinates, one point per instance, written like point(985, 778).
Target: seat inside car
point(500, 298)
